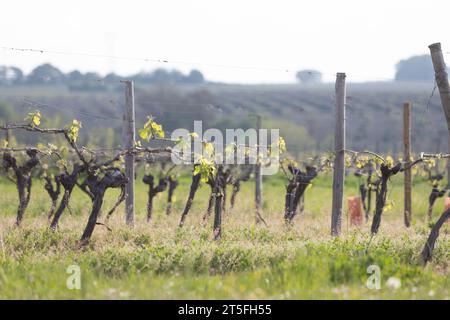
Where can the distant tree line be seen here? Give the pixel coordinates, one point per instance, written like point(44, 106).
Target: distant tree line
point(413, 69)
point(49, 74)
point(417, 68)
point(309, 76)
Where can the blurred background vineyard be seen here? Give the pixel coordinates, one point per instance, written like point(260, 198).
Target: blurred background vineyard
point(303, 111)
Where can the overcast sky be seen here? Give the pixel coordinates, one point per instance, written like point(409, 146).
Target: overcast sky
point(246, 41)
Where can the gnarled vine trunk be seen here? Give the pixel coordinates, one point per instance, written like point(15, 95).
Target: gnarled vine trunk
point(219, 186)
point(435, 193)
point(296, 189)
point(53, 191)
point(363, 194)
point(386, 173)
point(193, 189)
point(211, 201)
point(427, 251)
point(236, 189)
point(68, 181)
point(23, 179)
point(173, 184)
point(153, 191)
point(223, 178)
point(113, 178)
point(236, 183)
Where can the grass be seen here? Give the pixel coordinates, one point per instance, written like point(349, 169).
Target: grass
point(156, 260)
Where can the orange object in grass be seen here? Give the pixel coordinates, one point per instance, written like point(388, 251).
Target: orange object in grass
point(355, 211)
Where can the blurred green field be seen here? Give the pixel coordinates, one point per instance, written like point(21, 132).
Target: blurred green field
point(156, 260)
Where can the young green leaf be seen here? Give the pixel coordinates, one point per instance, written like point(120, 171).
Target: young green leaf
point(34, 118)
point(208, 147)
point(151, 130)
point(74, 130)
point(205, 168)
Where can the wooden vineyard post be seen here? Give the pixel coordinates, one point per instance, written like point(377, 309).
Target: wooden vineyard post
point(407, 160)
point(258, 175)
point(339, 160)
point(129, 137)
point(441, 76)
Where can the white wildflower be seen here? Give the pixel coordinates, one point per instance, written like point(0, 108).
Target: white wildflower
point(394, 283)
